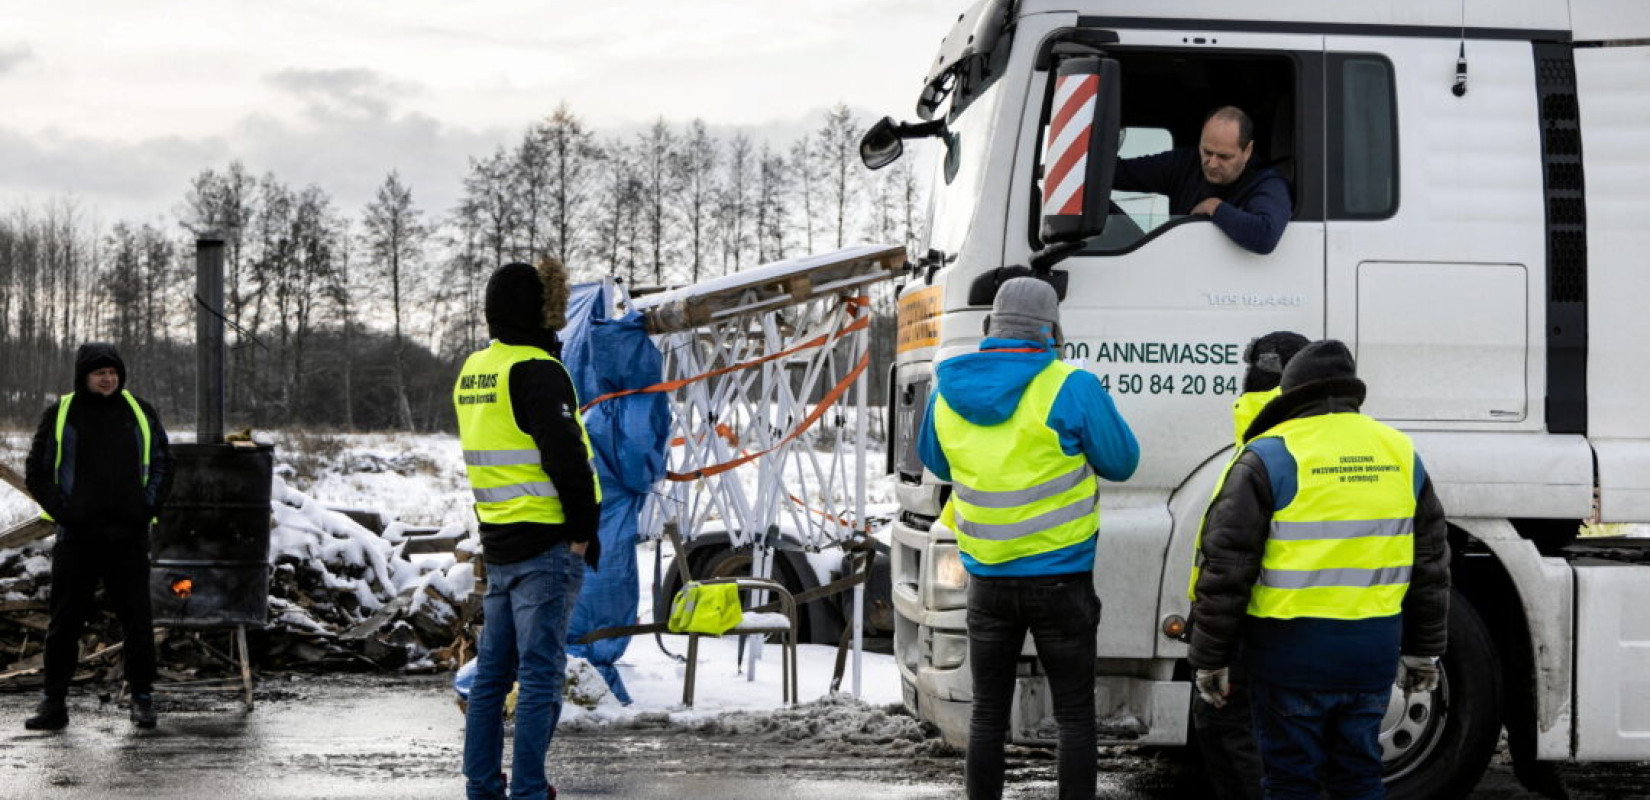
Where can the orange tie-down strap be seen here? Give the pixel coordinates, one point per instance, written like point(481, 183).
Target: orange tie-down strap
point(861, 322)
point(824, 405)
point(843, 521)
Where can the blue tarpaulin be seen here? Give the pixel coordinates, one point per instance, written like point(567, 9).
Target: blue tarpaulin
point(629, 436)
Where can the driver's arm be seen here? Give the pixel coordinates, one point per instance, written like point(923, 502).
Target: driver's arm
point(1258, 225)
point(1153, 173)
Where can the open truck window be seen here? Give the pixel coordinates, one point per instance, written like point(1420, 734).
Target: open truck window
point(1166, 94)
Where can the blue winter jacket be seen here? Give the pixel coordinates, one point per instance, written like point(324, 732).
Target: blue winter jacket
point(985, 387)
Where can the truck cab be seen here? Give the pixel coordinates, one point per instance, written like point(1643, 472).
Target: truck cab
point(1466, 185)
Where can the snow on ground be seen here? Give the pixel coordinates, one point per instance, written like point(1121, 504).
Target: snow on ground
point(655, 678)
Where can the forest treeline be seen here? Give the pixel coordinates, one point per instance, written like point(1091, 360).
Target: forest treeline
point(356, 319)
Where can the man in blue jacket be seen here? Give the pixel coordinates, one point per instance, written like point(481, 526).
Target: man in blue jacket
point(1021, 437)
point(1215, 180)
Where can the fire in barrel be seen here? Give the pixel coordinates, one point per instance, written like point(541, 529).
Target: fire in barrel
point(211, 550)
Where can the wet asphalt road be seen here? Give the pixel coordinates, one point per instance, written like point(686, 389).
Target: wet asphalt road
point(391, 737)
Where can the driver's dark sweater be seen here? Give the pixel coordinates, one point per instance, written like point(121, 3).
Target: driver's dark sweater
point(1254, 208)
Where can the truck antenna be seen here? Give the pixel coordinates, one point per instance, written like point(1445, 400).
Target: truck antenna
point(1460, 87)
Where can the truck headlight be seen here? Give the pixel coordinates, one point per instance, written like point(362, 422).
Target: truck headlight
point(949, 573)
point(949, 579)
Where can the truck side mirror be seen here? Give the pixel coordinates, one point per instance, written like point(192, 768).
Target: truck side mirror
point(881, 145)
point(1081, 151)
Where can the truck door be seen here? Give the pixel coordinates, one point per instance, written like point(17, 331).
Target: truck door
point(1162, 304)
point(1434, 214)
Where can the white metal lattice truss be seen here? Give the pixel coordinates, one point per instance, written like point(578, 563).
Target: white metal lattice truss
point(785, 347)
point(768, 410)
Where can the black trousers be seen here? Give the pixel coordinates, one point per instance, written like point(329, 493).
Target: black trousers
point(1061, 613)
point(81, 561)
point(1226, 741)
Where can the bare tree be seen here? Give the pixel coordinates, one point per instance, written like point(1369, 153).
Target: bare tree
point(489, 196)
point(394, 236)
point(571, 153)
point(804, 166)
point(735, 202)
point(618, 235)
point(695, 168)
point(655, 150)
point(838, 143)
point(771, 173)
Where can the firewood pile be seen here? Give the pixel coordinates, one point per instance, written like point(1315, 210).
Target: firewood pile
point(346, 592)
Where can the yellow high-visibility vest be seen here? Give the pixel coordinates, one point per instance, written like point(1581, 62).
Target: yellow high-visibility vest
point(145, 440)
point(1344, 546)
point(1244, 411)
point(506, 475)
point(1015, 492)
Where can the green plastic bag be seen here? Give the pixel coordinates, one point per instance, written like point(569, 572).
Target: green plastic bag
point(711, 610)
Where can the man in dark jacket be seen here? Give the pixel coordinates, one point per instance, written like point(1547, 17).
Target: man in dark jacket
point(1324, 555)
point(1217, 180)
point(1023, 438)
point(538, 503)
point(1225, 733)
point(100, 469)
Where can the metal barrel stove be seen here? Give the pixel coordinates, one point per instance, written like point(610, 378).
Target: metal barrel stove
point(210, 564)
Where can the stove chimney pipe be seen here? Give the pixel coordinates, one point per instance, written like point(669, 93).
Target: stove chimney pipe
point(209, 345)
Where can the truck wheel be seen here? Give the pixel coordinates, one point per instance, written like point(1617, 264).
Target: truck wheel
point(1437, 745)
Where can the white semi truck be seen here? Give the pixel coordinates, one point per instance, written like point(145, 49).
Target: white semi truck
point(1471, 188)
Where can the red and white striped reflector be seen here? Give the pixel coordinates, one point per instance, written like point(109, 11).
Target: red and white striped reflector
point(1068, 143)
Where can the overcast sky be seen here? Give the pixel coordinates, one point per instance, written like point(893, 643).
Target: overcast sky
point(117, 103)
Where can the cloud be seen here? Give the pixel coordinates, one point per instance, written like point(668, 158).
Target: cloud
point(353, 92)
point(347, 156)
point(14, 56)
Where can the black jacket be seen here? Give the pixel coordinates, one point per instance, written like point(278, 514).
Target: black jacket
point(101, 490)
point(1236, 527)
point(546, 408)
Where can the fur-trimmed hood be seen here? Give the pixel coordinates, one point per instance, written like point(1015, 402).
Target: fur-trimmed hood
point(526, 305)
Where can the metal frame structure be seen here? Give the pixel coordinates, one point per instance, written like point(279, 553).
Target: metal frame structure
point(776, 350)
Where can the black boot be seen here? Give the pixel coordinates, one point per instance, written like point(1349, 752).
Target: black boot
point(143, 711)
point(52, 714)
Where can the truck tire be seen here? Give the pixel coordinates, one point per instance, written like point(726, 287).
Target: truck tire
point(1437, 746)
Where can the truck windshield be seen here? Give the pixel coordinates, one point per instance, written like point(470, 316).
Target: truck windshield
point(959, 176)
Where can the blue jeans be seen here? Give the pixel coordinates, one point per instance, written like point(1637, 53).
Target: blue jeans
point(1061, 613)
point(527, 608)
point(1316, 741)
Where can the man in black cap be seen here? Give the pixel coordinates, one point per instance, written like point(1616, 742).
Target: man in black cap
point(1225, 734)
point(1324, 555)
point(100, 469)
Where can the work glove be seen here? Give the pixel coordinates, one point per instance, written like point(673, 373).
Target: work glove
point(1213, 685)
point(1418, 674)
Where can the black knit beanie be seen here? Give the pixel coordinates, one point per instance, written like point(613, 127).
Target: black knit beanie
point(1266, 358)
point(1320, 361)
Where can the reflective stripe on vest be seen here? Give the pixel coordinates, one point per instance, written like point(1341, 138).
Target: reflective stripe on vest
point(507, 477)
point(1344, 545)
point(145, 442)
point(1016, 493)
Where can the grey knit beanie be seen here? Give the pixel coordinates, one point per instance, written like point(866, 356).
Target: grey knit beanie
point(1026, 308)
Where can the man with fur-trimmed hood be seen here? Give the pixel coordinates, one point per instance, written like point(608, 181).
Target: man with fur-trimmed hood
point(538, 503)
